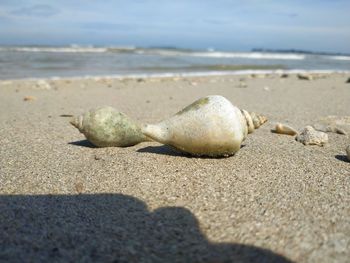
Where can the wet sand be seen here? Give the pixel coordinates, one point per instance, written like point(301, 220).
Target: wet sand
point(276, 200)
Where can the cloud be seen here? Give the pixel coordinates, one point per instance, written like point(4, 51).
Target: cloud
point(36, 10)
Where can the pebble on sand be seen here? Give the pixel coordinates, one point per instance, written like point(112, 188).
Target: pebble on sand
point(348, 152)
point(309, 136)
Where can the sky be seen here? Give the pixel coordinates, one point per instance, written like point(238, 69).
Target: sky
point(318, 25)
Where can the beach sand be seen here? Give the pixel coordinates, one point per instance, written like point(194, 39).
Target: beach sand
point(276, 200)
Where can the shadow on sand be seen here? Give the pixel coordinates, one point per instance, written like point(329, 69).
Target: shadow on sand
point(83, 143)
point(158, 149)
point(343, 158)
point(167, 150)
point(108, 228)
point(162, 150)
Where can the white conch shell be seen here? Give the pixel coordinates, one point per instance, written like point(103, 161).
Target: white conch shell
point(211, 126)
point(106, 126)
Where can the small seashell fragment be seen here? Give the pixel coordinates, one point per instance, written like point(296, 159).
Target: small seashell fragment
point(242, 84)
point(305, 76)
point(258, 76)
point(210, 126)
point(340, 131)
point(79, 187)
point(43, 85)
point(329, 128)
point(105, 127)
point(319, 76)
point(6, 82)
point(348, 152)
point(285, 129)
point(309, 136)
point(29, 98)
point(337, 124)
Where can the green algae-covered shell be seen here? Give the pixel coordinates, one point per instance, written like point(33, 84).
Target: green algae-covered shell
point(106, 127)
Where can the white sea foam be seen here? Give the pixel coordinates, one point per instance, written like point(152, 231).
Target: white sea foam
point(72, 49)
point(250, 55)
point(188, 74)
point(168, 52)
point(340, 57)
point(160, 52)
point(216, 54)
point(56, 49)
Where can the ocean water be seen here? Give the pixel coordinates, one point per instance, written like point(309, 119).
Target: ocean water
point(75, 61)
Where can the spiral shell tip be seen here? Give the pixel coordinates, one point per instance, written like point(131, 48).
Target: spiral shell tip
point(257, 119)
point(77, 122)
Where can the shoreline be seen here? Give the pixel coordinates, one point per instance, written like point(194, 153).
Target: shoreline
point(184, 75)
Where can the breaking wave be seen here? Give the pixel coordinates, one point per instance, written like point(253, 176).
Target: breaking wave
point(70, 49)
point(250, 55)
point(157, 51)
point(340, 57)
